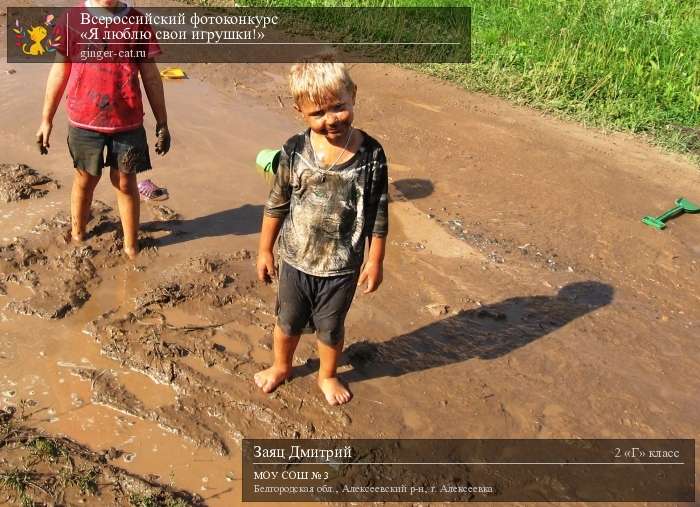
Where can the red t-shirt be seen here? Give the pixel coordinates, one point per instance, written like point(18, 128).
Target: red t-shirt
point(103, 91)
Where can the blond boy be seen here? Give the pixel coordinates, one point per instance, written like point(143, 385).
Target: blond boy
point(328, 202)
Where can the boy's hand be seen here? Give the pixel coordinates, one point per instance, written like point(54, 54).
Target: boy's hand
point(42, 137)
point(162, 139)
point(266, 267)
point(372, 274)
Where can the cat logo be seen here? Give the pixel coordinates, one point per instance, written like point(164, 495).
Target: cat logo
point(34, 40)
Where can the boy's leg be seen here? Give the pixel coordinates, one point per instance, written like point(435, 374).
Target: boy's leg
point(293, 311)
point(80, 200)
point(129, 208)
point(284, 346)
point(333, 299)
point(127, 155)
point(86, 148)
point(334, 391)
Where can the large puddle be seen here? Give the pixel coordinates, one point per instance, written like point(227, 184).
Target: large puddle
point(48, 362)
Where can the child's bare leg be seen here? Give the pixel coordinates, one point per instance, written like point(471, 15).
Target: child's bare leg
point(284, 347)
point(129, 208)
point(80, 200)
point(334, 391)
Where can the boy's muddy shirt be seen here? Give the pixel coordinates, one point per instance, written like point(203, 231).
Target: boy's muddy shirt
point(328, 214)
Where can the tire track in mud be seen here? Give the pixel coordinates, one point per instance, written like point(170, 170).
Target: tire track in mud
point(217, 404)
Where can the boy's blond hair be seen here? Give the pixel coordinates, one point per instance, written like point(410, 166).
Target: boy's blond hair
point(318, 82)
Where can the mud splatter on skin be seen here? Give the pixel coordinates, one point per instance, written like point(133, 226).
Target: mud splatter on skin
point(59, 273)
point(48, 470)
point(217, 403)
point(19, 181)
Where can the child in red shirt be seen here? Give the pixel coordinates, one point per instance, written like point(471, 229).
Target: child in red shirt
point(105, 110)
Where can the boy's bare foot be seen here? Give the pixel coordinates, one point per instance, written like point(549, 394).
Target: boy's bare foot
point(131, 252)
point(77, 238)
point(269, 379)
point(334, 391)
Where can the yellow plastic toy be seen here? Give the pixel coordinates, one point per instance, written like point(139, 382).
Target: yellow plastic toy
point(173, 73)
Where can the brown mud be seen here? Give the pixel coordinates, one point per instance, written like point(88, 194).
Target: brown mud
point(59, 471)
point(57, 272)
point(208, 365)
point(522, 296)
point(19, 181)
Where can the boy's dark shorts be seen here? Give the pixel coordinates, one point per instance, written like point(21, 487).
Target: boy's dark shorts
point(126, 151)
point(307, 303)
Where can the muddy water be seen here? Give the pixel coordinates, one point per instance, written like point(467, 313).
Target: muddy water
point(209, 173)
point(212, 188)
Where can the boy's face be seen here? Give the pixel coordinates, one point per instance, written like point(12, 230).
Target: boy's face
point(331, 119)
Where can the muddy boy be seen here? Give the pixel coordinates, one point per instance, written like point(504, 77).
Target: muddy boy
point(328, 201)
point(105, 111)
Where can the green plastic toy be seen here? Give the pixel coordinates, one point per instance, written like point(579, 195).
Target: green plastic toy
point(267, 160)
point(266, 163)
point(682, 206)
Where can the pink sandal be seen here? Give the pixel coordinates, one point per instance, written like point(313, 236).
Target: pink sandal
point(149, 191)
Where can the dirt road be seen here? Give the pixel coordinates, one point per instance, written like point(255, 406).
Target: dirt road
point(522, 295)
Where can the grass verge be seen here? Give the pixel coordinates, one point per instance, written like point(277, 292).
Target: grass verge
point(623, 65)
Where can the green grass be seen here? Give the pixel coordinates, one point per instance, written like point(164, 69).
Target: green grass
point(84, 479)
point(622, 64)
point(156, 500)
point(45, 449)
point(631, 65)
point(17, 481)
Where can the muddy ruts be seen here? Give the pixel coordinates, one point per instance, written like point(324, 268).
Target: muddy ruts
point(216, 401)
point(59, 274)
point(41, 469)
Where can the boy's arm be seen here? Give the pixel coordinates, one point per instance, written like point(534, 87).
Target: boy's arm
point(373, 270)
point(266, 259)
point(55, 86)
point(276, 209)
point(378, 220)
point(153, 84)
